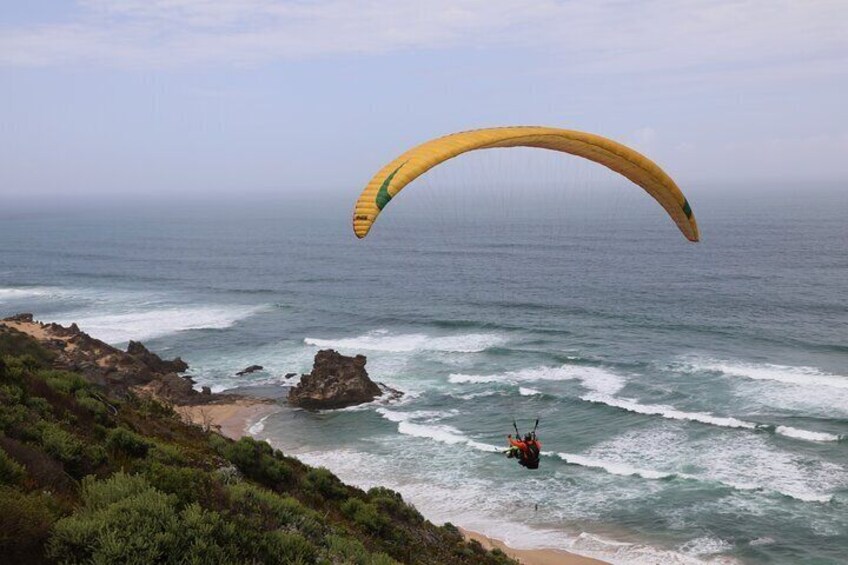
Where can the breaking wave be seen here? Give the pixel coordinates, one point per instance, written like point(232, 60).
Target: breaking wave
point(671, 413)
point(593, 378)
point(802, 376)
point(382, 340)
point(147, 324)
point(428, 429)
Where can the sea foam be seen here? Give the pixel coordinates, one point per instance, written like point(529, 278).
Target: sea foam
point(452, 436)
point(12, 293)
point(382, 340)
point(610, 467)
point(671, 413)
point(427, 429)
point(747, 463)
point(593, 378)
point(155, 322)
point(802, 376)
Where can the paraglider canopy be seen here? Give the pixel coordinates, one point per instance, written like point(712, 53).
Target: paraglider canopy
point(393, 177)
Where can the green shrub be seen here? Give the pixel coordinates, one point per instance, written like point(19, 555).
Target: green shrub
point(11, 394)
point(346, 550)
point(40, 406)
point(98, 494)
point(11, 473)
point(96, 407)
point(392, 502)
point(323, 481)
point(140, 528)
point(207, 538)
point(343, 549)
point(12, 369)
point(126, 520)
point(228, 475)
point(381, 559)
point(64, 382)
point(276, 510)
point(186, 483)
point(95, 455)
point(17, 344)
point(366, 515)
point(452, 530)
point(153, 408)
point(15, 420)
point(122, 440)
point(166, 453)
point(59, 443)
point(288, 548)
point(256, 460)
point(25, 522)
point(18, 366)
point(41, 470)
point(219, 443)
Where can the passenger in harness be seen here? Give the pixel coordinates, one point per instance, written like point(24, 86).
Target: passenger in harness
point(526, 451)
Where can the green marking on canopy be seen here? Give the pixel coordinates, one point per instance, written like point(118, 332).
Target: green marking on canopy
point(687, 209)
point(383, 196)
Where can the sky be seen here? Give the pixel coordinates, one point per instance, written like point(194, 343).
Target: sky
point(167, 98)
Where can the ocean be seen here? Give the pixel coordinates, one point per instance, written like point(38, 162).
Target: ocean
point(692, 398)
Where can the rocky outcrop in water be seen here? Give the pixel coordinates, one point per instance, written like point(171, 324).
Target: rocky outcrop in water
point(336, 381)
point(248, 370)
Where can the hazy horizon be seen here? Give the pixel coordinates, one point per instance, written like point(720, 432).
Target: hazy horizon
point(192, 99)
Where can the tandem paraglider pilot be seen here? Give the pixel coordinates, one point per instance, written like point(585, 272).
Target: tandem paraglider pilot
point(526, 450)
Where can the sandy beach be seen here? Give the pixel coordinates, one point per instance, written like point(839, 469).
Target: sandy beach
point(533, 556)
point(231, 419)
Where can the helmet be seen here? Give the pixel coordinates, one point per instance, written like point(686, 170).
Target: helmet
point(528, 437)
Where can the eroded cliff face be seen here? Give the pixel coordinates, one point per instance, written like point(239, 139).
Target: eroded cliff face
point(336, 381)
point(122, 371)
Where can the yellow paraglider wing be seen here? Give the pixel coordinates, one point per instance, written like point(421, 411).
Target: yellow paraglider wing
point(639, 169)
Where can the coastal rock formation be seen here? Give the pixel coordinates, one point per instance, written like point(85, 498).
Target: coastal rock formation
point(173, 388)
point(248, 370)
point(153, 361)
point(336, 381)
point(137, 369)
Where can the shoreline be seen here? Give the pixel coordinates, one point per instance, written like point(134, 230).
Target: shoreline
point(233, 420)
point(232, 416)
point(541, 556)
point(230, 419)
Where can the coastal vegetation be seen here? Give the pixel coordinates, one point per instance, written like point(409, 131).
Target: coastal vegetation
point(90, 476)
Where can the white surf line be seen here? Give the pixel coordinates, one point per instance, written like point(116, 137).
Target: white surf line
point(605, 384)
point(383, 340)
point(258, 427)
point(595, 379)
point(799, 376)
point(149, 322)
point(622, 469)
point(797, 433)
point(452, 436)
point(671, 413)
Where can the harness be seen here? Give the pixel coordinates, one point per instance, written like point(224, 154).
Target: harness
point(531, 461)
point(529, 455)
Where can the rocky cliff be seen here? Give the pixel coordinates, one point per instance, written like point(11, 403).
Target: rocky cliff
point(136, 369)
